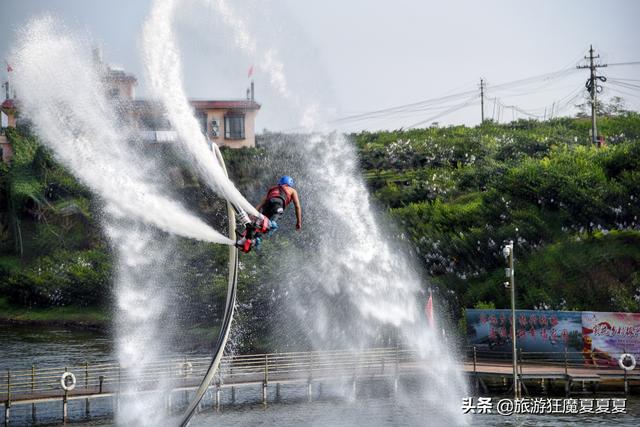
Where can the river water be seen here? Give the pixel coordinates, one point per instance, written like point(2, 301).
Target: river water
point(23, 346)
point(20, 347)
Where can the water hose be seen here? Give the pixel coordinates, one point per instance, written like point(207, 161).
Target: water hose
point(228, 311)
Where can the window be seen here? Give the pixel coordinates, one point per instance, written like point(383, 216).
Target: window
point(201, 116)
point(234, 126)
point(154, 121)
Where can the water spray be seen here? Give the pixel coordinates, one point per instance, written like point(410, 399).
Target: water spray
point(70, 113)
point(163, 66)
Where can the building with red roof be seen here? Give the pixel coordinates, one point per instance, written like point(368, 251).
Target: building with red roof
point(228, 123)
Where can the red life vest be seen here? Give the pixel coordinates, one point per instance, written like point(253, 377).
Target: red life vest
point(278, 192)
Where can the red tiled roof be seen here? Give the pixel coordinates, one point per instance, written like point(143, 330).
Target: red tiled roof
point(244, 104)
point(8, 104)
point(241, 104)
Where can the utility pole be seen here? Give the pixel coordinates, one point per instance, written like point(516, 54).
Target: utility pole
point(482, 101)
point(507, 251)
point(593, 88)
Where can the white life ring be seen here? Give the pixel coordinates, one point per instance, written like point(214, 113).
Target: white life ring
point(627, 362)
point(185, 369)
point(68, 381)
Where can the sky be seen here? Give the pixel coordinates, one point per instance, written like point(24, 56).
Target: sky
point(331, 59)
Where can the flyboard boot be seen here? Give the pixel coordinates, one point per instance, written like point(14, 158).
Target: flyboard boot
point(253, 230)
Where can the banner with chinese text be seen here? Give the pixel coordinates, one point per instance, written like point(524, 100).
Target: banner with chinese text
point(608, 335)
point(537, 331)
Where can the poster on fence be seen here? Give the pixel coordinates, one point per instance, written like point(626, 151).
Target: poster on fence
point(536, 330)
point(608, 335)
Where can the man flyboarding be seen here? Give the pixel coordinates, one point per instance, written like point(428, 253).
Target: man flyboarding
point(271, 209)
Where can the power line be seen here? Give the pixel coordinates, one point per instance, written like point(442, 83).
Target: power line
point(622, 92)
point(416, 105)
point(444, 113)
point(405, 107)
point(624, 84)
point(557, 105)
point(615, 64)
point(624, 80)
point(443, 103)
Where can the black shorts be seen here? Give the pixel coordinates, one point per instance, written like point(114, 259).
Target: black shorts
point(273, 208)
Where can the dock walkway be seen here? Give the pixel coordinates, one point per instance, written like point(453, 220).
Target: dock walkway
point(539, 372)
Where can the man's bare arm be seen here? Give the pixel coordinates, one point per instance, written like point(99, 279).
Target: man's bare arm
point(296, 203)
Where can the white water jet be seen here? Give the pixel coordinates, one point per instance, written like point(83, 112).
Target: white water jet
point(163, 66)
point(61, 93)
point(141, 318)
point(356, 282)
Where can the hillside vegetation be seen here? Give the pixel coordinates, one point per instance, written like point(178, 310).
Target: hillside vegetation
point(571, 208)
point(457, 193)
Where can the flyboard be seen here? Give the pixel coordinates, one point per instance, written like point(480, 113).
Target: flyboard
point(228, 311)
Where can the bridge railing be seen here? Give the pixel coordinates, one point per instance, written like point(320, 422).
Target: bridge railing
point(101, 378)
point(562, 358)
point(104, 378)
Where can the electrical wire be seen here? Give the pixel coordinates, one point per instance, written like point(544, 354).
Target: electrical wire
point(444, 113)
point(624, 84)
point(416, 106)
point(615, 64)
point(537, 83)
point(622, 92)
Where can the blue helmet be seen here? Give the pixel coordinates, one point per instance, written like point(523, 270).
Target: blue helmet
point(286, 180)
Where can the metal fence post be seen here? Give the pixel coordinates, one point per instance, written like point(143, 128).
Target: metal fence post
point(309, 390)
point(476, 382)
point(64, 403)
point(218, 397)
point(117, 405)
point(266, 380)
point(7, 404)
point(397, 370)
point(33, 387)
point(475, 360)
point(86, 386)
point(233, 389)
point(521, 361)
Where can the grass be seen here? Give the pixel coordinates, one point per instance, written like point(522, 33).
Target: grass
point(90, 315)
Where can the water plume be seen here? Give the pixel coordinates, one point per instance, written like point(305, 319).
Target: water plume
point(348, 283)
point(142, 319)
point(163, 66)
point(62, 95)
